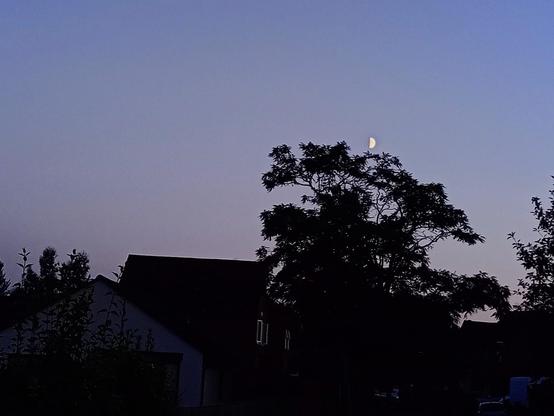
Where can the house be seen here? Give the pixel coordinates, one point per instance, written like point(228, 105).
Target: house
point(207, 320)
point(493, 352)
point(184, 360)
point(221, 306)
point(481, 352)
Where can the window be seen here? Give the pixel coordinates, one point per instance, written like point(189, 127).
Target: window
point(287, 340)
point(259, 330)
point(262, 332)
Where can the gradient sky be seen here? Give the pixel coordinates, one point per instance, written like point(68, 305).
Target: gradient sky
point(144, 127)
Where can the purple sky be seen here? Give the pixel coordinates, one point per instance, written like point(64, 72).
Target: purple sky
point(144, 127)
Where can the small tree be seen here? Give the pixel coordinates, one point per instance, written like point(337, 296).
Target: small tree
point(54, 279)
point(30, 285)
point(49, 268)
point(74, 272)
point(537, 258)
point(4, 282)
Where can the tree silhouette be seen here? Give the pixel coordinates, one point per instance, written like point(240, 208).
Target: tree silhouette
point(30, 284)
point(53, 281)
point(49, 270)
point(364, 227)
point(352, 259)
point(75, 271)
point(4, 282)
point(537, 258)
point(42, 286)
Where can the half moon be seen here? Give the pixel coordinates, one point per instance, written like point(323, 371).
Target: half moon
point(372, 143)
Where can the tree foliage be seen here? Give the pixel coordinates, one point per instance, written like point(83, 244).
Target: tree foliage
point(363, 229)
point(75, 271)
point(4, 281)
point(30, 284)
point(49, 269)
point(54, 279)
point(537, 258)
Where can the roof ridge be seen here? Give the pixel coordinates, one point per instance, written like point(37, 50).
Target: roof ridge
point(190, 258)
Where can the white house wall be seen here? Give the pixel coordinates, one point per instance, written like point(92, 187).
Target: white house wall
point(190, 372)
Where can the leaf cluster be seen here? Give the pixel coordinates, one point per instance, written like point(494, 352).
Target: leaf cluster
point(537, 258)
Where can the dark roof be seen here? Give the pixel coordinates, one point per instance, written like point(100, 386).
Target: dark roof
point(109, 282)
point(208, 301)
point(470, 325)
point(215, 281)
point(20, 309)
point(519, 325)
point(527, 325)
point(139, 266)
point(472, 331)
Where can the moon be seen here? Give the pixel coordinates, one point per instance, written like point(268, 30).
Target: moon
point(372, 143)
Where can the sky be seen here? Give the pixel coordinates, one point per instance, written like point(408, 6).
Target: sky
point(144, 126)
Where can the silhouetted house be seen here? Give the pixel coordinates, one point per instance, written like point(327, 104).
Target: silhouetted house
point(220, 306)
point(493, 352)
point(528, 344)
point(481, 352)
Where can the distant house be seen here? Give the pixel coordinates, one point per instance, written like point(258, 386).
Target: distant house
point(481, 352)
point(493, 352)
point(209, 322)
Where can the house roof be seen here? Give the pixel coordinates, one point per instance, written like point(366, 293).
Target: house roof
point(522, 326)
point(469, 325)
point(220, 283)
point(21, 310)
point(180, 270)
point(18, 309)
point(480, 331)
point(208, 301)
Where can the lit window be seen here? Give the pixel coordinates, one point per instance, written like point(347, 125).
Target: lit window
point(287, 340)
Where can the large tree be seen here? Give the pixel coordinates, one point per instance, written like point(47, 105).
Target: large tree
point(351, 257)
point(537, 258)
point(363, 230)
